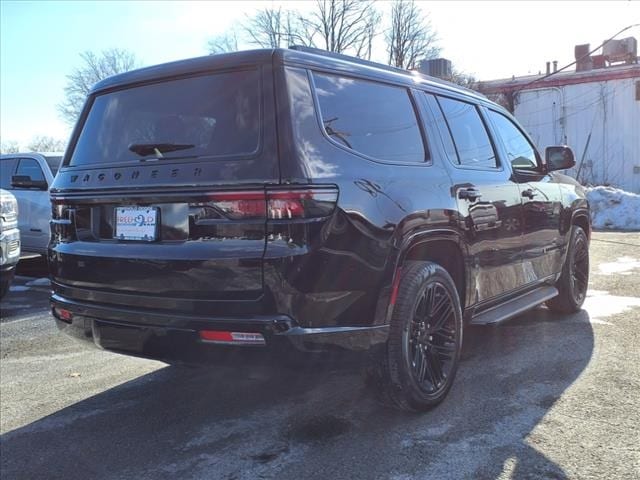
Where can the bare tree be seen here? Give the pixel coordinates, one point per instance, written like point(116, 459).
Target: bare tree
point(43, 143)
point(341, 26)
point(226, 42)
point(463, 79)
point(95, 67)
point(274, 28)
point(411, 37)
point(10, 146)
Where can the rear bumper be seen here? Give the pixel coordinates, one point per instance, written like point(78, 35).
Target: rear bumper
point(166, 336)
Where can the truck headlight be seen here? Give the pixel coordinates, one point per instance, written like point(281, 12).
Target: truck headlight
point(8, 210)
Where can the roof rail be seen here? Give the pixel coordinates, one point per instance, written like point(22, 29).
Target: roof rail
point(348, 58)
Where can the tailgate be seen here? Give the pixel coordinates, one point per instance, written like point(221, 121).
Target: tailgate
point(167, 150)
point(187, 245)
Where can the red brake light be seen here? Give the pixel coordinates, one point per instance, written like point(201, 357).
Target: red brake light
point(272, 204)
point(235, 205)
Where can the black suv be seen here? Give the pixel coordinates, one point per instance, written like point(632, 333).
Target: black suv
point(287, 200)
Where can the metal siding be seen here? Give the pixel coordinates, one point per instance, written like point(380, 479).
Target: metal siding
point(607, 109)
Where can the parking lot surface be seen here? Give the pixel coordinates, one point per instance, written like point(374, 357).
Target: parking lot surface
point(540, 396)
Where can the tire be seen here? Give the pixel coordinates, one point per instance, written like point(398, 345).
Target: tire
point(418, 366)
point(574, 279)
point(6, 277)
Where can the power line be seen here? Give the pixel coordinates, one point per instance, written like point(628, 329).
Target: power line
point(577, 60)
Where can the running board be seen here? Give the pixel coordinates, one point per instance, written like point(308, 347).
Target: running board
point(515, 306)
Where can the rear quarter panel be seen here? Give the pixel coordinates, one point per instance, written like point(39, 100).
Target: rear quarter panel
point(342, 273)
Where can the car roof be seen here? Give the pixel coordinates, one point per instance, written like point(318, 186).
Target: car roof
point(32, 154)
point(196, 65)
point(320, 59)
point(313, 58)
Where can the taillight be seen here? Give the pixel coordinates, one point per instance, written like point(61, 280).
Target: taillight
point(272, 204)
point(308, 203)
point(238, 205)
point(58, 209)
point(62, 222)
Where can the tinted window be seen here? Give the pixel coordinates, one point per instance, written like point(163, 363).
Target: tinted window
point(210, 115)
point(520, 152)
point(374, 119)
point(6, 172)
point(54, 164)
point(29, 167)
point(472, 143)
point(442, 127)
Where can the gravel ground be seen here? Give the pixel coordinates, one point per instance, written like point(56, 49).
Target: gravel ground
point(541, 396)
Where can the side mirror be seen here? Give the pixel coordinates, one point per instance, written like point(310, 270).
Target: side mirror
point(559, 158)
point(25, 181)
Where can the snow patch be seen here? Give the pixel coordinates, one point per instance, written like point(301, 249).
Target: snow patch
point(622, 266)
point(19, 288)
point(612, 208)
point(599, 304)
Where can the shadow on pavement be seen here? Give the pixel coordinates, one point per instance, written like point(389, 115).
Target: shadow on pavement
point(317, 422)
point(29, 290)
point(33, 266)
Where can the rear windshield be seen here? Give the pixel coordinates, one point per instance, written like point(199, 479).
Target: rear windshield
point(54, 163)
point(205, 116)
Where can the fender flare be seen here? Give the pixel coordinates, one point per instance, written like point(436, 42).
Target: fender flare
point(405, 245)
point(582, 212)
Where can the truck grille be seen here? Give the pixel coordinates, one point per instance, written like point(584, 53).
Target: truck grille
point(14, 245)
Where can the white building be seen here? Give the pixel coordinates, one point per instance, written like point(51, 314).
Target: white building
point(596, 111)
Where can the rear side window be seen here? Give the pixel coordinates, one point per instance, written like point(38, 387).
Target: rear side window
point(374, 119)
point(472, 144)
point(28, 167)
point(205, 116)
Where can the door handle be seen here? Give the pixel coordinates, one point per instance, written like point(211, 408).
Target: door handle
point(469, 194)
point(529, 193)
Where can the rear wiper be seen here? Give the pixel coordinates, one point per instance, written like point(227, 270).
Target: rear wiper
point(144, 149)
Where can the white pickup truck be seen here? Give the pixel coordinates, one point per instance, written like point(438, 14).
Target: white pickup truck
point(28, 177)
point(9, 240)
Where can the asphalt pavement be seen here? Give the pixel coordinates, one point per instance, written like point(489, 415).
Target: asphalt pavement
point(540, 396)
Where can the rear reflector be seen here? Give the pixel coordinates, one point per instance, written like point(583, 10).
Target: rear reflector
point(395, 286)
point(272, 203)
point(232, 338)
point(63, 314)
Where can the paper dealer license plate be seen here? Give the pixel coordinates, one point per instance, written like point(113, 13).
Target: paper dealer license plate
point(136, 223)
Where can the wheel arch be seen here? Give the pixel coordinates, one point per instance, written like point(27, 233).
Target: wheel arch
point(582, 219)
point(444, 247)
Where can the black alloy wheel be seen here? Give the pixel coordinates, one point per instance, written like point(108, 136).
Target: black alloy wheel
point(417, 368)
point(430, 339)
point(574, 280)
point(580, 269)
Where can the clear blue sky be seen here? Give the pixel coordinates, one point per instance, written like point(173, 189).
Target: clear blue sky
point(40, 41)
